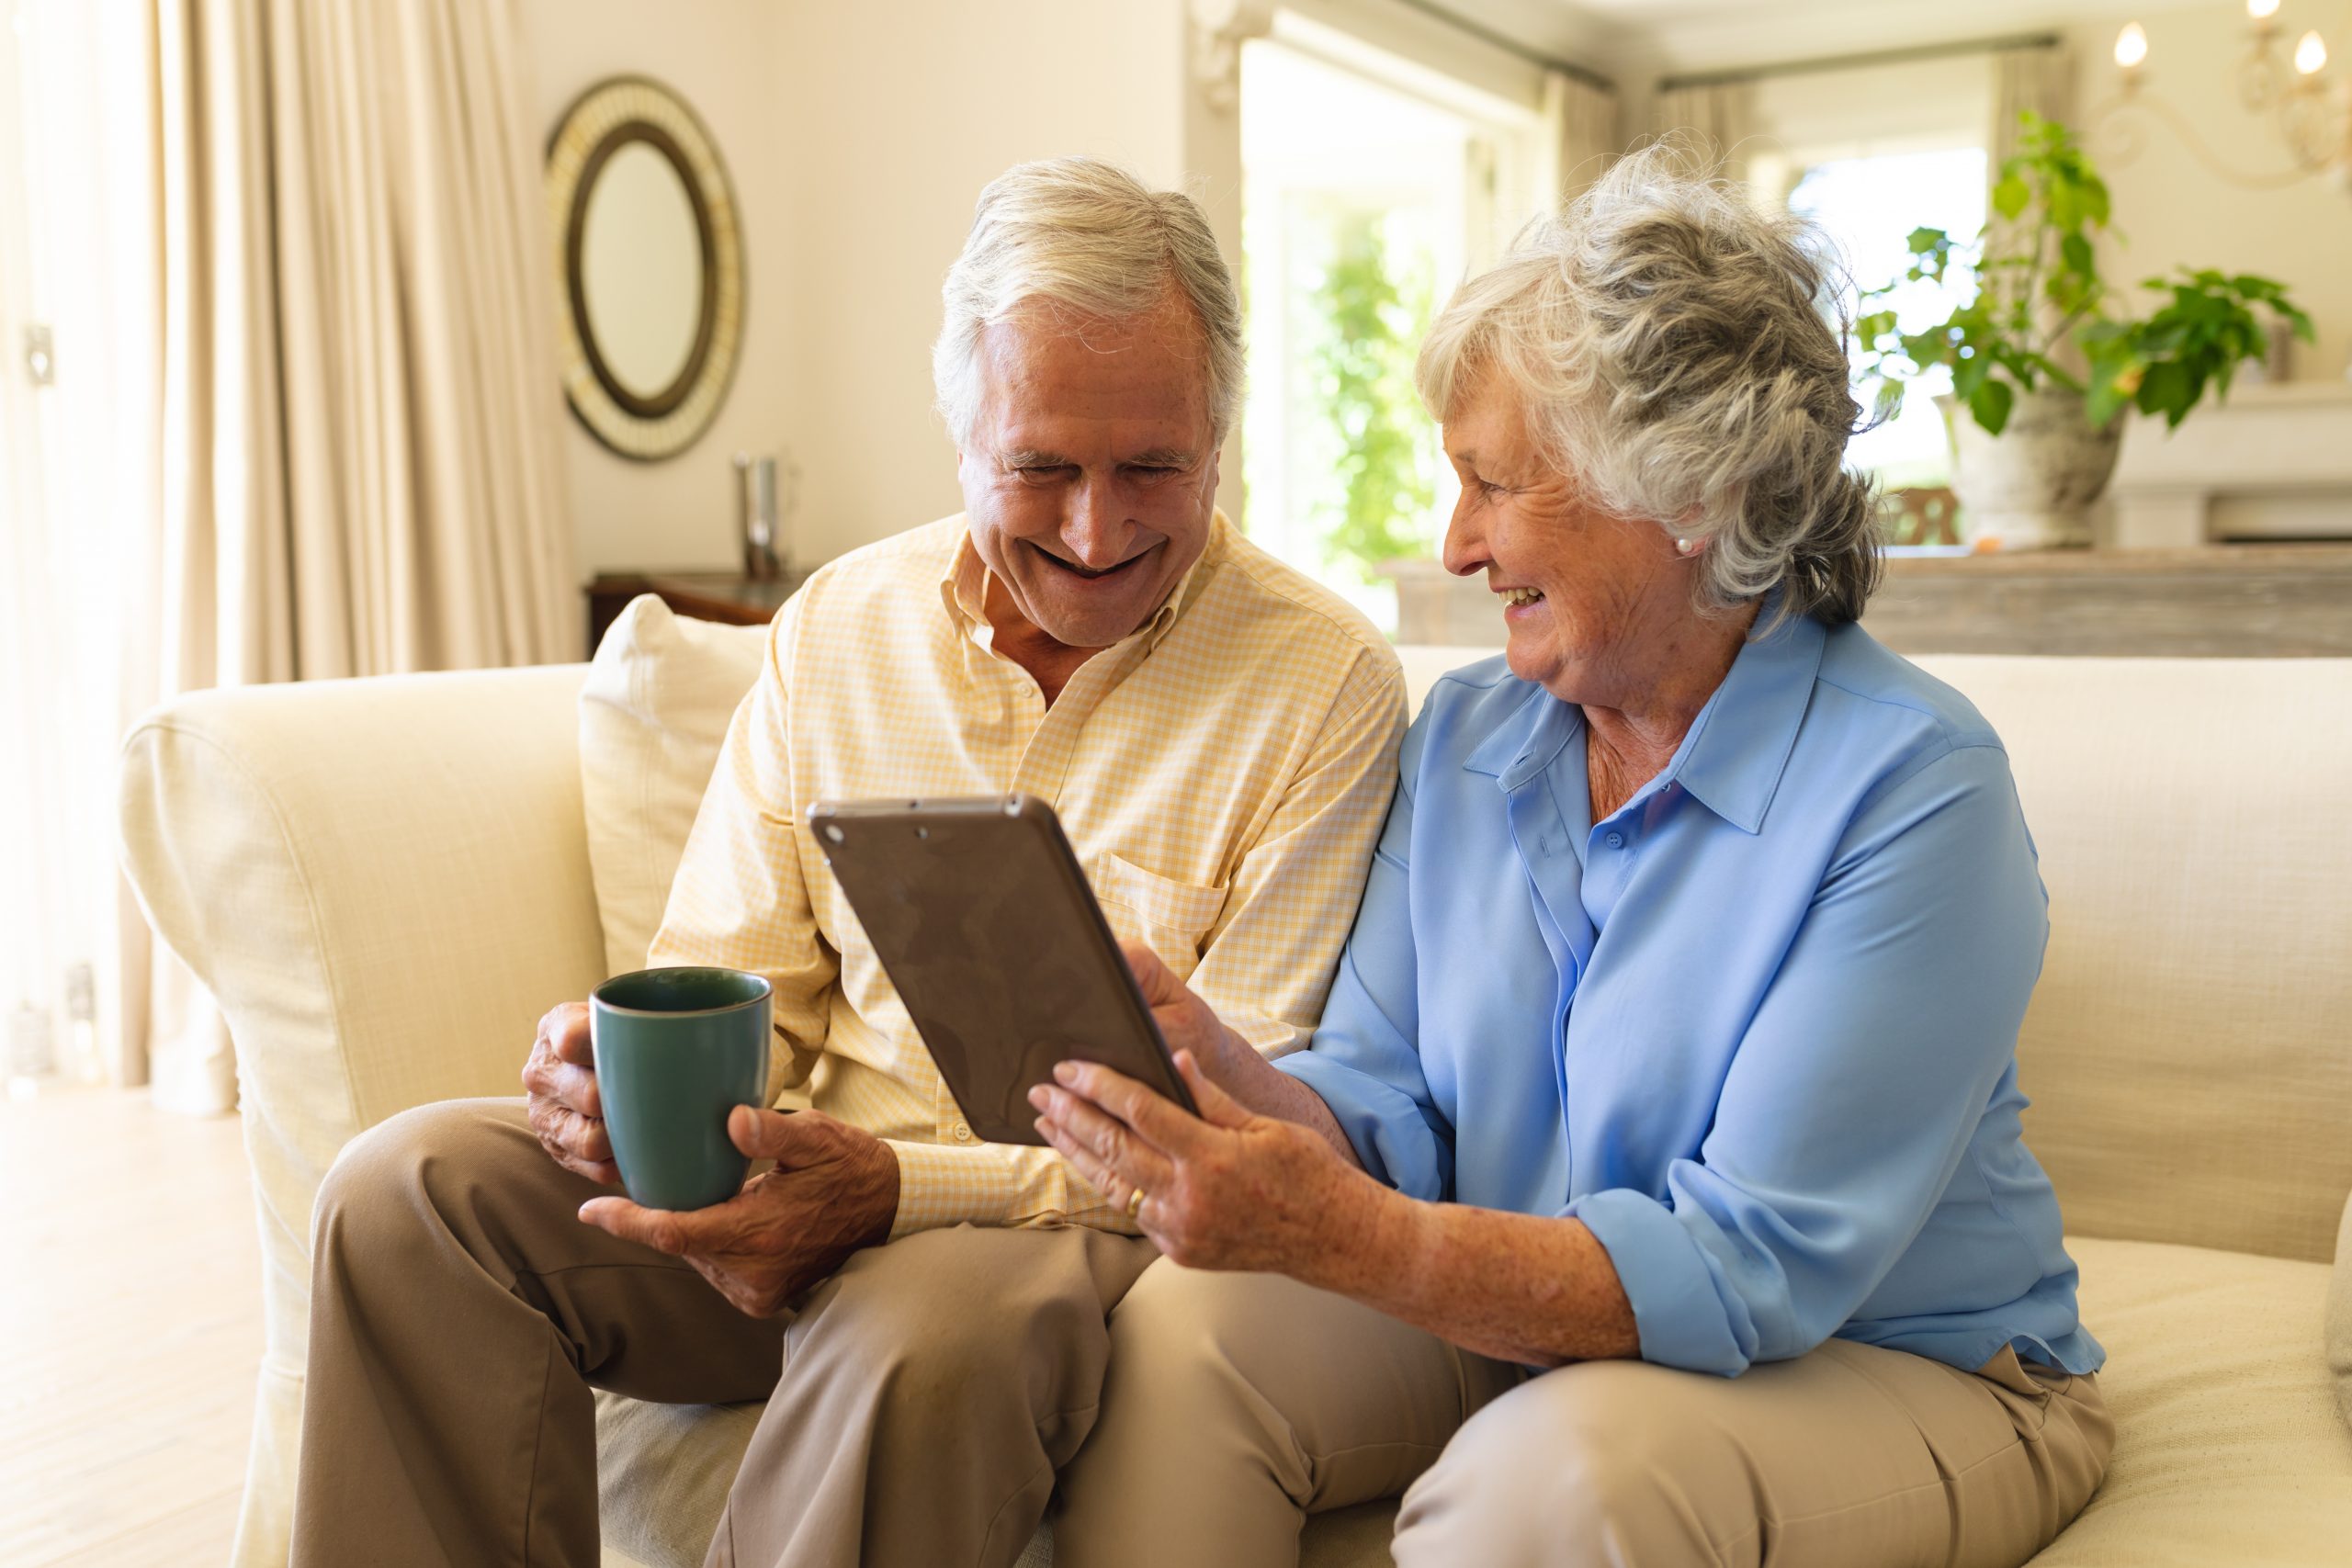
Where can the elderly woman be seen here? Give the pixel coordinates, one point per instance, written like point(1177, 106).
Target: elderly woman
point(1653, 1191)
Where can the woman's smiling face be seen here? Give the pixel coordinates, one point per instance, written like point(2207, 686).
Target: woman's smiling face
point(1587, 594)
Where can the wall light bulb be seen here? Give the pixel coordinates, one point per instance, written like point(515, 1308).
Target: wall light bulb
point(2132, 46)
point(2261, 10)
point(2311, 54)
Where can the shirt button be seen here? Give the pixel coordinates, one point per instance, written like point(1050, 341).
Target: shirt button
point(963, 1131)
point(1615, 841)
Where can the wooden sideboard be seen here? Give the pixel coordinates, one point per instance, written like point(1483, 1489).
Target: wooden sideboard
point(725, 596)
point(2233, 601)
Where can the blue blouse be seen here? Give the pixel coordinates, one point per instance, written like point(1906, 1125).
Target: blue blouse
point(1757, 1029)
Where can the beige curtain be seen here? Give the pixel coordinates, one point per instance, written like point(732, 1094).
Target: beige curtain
point(2040, 78)
point(361, 364)
point(1584, 122)
point(1720, 115)
point(360, 405)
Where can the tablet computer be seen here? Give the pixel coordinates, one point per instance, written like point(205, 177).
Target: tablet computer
point(985, 923)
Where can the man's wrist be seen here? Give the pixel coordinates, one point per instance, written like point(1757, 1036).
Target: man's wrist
point(951, 1184)
point(883, 1208)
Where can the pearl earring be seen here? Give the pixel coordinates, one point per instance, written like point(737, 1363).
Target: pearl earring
point(1684, 546)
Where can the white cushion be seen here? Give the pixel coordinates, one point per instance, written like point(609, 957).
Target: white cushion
point(2185, 1050)
point(652, 716)
point(2228, 1448)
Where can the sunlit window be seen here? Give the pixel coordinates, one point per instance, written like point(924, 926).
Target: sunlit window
point(1353, 218)
point(1869, 206)
point(1370, 186)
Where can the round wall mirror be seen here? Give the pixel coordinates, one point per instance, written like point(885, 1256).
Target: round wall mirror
point(651, 262)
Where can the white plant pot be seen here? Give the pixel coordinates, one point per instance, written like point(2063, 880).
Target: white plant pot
point(2030, 488)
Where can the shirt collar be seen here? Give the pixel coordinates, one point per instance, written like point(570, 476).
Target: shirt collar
point(1524, 744)
point(1737, 746)
point(964, 588)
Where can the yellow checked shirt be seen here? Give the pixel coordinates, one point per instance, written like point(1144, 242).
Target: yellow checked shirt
point(1222, 775)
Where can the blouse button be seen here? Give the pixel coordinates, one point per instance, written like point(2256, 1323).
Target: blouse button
point(1615, 841)
point(963, 1131)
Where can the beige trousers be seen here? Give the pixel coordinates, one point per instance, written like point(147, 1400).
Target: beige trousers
point(918, 1402)
point(1237, 1404)
point(922, 1401)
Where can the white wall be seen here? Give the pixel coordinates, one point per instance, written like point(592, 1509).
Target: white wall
point(858, 137)
point(893, 118)
point(2173, 208)
point(720, 57)
point(2175, 211)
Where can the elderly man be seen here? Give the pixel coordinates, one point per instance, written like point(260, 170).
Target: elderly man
point(924, 1313)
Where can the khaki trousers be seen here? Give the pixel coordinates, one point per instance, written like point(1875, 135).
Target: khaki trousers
point(1237, 1404)
point(920, 1400)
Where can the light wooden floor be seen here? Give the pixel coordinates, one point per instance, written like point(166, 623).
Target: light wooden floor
point(130, 1331)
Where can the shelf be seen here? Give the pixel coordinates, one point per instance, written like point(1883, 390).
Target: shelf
point(2231, 600)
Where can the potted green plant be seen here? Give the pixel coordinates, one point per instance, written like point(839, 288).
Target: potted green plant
point(2045, 356)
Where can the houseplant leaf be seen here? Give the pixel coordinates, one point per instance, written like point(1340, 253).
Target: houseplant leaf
point(1990, 404)
point(2169, 389)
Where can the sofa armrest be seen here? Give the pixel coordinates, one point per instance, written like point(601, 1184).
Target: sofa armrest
point(384, 883)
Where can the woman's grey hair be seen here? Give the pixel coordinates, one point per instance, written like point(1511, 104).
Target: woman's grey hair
point(1088, 236)
point(1681, 356)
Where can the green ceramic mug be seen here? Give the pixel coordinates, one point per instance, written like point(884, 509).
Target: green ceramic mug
point(676, 1051)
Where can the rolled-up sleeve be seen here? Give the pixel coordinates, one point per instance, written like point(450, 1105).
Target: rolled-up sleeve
point(1855, 1091)
point(1365, 1061)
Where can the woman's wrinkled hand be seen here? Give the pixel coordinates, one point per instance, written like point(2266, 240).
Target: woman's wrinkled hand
point(1229, 1188)
point(1187, 1023)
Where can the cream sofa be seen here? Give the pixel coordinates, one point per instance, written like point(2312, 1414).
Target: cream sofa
point(385, 882)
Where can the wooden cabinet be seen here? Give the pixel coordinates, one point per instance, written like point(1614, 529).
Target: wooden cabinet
point(2235, 601)
point(725, 597)
point(2219, 601)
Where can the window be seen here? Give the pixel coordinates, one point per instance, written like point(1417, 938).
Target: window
point(1370, 189)
point(1870, 154)
point(1869, 205)
point(78, 494)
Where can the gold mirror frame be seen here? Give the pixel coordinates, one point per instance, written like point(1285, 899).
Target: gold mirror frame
point(604, 119)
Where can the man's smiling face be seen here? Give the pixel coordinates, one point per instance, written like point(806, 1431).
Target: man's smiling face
point(1090, 475)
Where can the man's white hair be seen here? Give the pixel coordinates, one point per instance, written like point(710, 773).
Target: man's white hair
point(1673, 349)
point(1090, 237)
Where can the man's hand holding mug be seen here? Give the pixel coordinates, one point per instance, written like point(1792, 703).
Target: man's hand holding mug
point(564, 1105)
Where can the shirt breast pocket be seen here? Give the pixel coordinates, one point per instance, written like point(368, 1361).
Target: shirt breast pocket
point(1167, 915)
